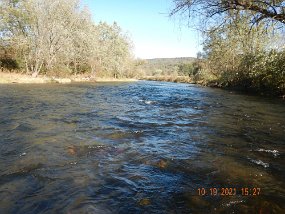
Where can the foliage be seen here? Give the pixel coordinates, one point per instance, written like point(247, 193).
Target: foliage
point(189, 69)
point(240, 56)
point(59, 35)
point(114, 54)
point(265, 72)
point(242, 48)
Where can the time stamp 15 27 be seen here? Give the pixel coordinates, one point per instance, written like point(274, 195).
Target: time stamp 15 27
point(229, 191)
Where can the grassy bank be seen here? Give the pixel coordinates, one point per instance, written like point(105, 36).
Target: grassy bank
point(7, 78)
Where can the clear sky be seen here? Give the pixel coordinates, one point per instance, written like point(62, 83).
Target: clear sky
point(153, 33)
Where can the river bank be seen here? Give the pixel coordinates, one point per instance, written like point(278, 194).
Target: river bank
point(178, 79)
point(8, 78)
point(214, 84)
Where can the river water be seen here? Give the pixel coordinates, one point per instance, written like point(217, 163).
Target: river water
point(143, 147)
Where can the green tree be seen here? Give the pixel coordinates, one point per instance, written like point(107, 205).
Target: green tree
point(114, 49)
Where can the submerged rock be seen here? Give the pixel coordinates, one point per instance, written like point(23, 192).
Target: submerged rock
point(144, 202)
point(162, 164)
point(94, 149)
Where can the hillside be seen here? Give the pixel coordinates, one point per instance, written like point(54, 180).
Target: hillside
point(171, 61)
point(163, 66)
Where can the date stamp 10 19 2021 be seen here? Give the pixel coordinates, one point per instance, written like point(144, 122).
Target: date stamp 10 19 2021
point(229, 191)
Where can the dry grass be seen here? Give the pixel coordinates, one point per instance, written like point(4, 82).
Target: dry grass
point(21, 78)
point(6, 78)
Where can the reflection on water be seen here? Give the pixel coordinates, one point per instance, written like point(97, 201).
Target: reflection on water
point(141, 147)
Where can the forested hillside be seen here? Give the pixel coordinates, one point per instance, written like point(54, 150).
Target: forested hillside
point(165, 66)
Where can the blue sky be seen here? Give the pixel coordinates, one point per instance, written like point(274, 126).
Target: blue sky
point(153, 33)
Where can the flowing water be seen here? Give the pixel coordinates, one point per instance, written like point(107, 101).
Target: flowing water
point(144, 147)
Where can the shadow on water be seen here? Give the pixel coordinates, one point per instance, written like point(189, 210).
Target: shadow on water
point(142, 147)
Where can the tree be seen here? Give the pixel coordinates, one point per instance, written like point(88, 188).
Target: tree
point(269, 10)
point(239, 56)
point(224, 47)
point(58, 36)
point(114, 49)
point(238, 42)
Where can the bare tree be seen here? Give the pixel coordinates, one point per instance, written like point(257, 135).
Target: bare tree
point(270, 10)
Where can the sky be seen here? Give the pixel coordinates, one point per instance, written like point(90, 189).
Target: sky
point(153, 33)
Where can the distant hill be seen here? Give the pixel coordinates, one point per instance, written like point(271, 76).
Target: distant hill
point(178, 60)
point(163, 66)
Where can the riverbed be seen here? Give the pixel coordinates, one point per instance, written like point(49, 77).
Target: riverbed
point(139, 147)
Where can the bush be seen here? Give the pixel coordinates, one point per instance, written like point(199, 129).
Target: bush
point(9, 64)
point(263, 72)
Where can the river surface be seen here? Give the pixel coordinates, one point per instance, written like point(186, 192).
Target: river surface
point(143, 147)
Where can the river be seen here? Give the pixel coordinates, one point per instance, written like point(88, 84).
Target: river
point(140, 147)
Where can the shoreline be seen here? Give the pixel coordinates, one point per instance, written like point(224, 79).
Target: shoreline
point(176, 79)
point(214, 84)
point(17, 78)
